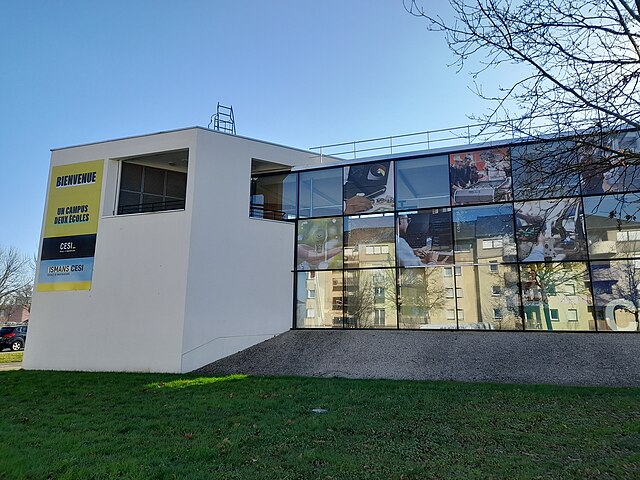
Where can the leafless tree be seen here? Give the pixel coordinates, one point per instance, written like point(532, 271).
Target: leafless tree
point(542, 280)
point(423, 296)
point(367, 291)
point(626, 282)
point(16, 278)
point(581, 71)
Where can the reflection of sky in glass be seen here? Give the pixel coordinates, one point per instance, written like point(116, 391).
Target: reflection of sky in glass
point(423, 182)
point(602, 206)
point(470, 214)
point(369, 221)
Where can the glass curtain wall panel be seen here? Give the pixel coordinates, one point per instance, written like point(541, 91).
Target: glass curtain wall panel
point(319, 299)
point(488, 299)
point(613, 226)
point(605, 164)
point(545, 170)
point(320, 193)
point(427, 298)
point(319, 244)
point(484, 234)
point(424, 237)
point(482, 176)
point(370, 298)
point(557, 296)
point(369, 241)
point(368, 188)
point(149, 189)
point(616, 292)
point(422, 182)
point(275, 196)
point(550, 230)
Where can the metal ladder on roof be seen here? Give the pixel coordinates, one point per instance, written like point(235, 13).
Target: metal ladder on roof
point(223, 120)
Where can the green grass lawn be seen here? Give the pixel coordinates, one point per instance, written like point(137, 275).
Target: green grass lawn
point(10, 357)
point(57, 425)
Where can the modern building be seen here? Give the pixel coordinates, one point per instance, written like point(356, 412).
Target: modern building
point(168, 251)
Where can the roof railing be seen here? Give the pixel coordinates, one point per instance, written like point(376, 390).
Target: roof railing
point(444, 137)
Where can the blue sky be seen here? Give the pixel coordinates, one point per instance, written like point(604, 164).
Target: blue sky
point(297, 73)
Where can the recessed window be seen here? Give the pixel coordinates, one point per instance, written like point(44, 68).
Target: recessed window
point(496, 290)
point(274, 196)
point(572, 315)
point(378, 317)
point(376, 249)
point(553, 313)
point(153, 183)
point(311, 294)
point(492, 243)
point(493, 267)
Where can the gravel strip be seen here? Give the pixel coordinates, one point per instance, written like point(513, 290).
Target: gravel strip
point(609, 359)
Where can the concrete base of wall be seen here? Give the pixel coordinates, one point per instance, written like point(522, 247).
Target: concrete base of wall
point(502, 357)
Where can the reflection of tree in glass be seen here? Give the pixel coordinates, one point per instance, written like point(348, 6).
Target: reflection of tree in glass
point(422, 296)
point(541, 280)
point(506, 304)
point(619, 280)
point(365, 292)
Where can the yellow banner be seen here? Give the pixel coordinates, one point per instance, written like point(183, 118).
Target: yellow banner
point(74, 199)
point(71, 227)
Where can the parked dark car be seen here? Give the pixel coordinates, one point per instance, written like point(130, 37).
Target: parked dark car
point(13, 337)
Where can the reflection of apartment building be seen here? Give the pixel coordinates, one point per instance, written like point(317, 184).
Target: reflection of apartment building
point(199, 241)
point(557, 297)
point(14, 313)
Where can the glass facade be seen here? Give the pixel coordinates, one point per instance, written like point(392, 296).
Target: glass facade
point(487, 239)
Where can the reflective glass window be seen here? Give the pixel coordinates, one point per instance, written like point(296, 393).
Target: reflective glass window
point(319, 244)
point(424, 237)
point(370, 241)
point(320, 193)
point(482, 176)
point(131, 178)
point(368, 188)
point(544, 170)
point(546, 305)
point(154, 181)
point(275, 196)
point(370, 298)
point(550, 230)
point(318, 303)
point(613, 226)
point(426, 298)
point(422, 182)
point(144, 188)
point(491, 300)
point(616, 291)
point(484, 234)
point(606, 168)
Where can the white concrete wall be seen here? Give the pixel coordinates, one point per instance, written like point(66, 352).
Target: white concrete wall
point(173, 291)
point(132, 318)
point(240, 285)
